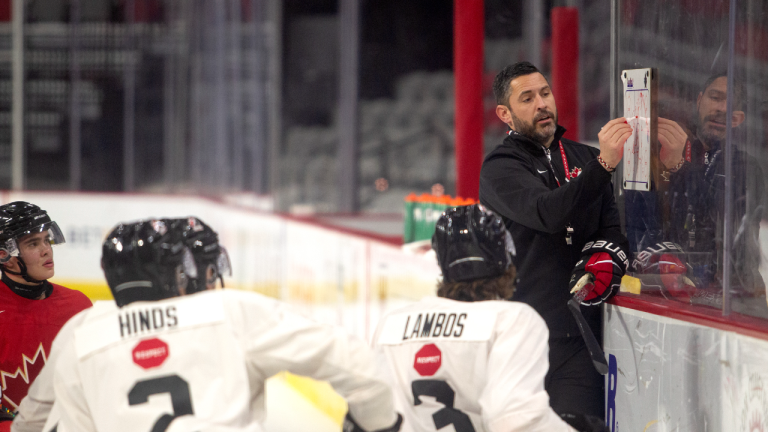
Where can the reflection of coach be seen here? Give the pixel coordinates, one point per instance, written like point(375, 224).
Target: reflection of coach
point(691, 210)
point(555, 196)
point(696, 192)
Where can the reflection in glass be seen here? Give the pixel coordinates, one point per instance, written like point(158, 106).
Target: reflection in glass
point(680, 223)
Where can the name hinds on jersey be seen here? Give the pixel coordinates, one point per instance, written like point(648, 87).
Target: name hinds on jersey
point(150, 319)
point(435, 325)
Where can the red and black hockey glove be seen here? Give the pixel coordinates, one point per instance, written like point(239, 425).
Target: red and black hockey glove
point(350, 425)
point(607, 263)
point(664, 266)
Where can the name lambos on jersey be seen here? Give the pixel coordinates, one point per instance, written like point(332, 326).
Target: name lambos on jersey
point(139, 321)
point(447, 325)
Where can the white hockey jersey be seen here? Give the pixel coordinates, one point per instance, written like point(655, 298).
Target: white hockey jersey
point(477, 366)
point(199, 362)
point(36, 407)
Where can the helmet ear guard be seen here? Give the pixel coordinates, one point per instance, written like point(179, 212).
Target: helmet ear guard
point(203, 242)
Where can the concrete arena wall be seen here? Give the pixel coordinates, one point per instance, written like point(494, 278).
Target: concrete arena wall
point(671, 375)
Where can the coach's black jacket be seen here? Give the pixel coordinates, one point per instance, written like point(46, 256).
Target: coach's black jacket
point(517, 182)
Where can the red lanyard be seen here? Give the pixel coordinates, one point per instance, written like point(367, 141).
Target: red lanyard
point(565, 161)
point(565, 164)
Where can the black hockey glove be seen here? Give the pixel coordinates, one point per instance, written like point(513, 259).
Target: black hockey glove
point(350, 425)
point(585, 423)
point(607, 263)
point(664, 266)
point(6, 414)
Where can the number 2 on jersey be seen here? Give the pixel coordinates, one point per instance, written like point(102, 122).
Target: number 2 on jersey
point(444, 394)
point(173, 384)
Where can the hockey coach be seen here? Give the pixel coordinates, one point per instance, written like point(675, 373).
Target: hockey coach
point(556, 199)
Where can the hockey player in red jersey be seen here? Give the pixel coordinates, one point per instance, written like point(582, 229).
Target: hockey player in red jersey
point(210, 351)
point(470, 358)
point(32, 310)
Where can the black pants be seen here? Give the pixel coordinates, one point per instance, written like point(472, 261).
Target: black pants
point(573, 384)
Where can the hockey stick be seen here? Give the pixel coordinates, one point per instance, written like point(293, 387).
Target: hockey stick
point(582, 288)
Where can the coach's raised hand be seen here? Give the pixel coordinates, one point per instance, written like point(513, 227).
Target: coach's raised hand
point(612, 137)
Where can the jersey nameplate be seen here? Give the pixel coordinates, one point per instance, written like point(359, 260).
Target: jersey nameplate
point(145, 319)
point(437, 325)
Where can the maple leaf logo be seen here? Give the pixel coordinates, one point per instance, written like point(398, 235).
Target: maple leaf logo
point(15, 384)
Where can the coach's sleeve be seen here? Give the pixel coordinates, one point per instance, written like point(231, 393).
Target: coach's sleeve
point(510, 187)
point(514, 398)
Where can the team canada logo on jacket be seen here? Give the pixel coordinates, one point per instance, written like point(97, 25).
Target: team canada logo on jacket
point(575, 172)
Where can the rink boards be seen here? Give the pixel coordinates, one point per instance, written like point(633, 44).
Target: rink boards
point(668, 374)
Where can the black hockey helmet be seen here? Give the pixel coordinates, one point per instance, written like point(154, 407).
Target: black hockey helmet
point(146, 261)
point(203, 242)
point(19, 219)
point(472, 243)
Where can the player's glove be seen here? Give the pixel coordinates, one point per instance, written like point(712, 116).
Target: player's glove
point(664, 266)
point(585, 423)
point(350, 425)
point(607, 263)
point(5, 414)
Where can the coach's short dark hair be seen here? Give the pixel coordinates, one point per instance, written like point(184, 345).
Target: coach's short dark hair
point(738, 88)
point(501, 89)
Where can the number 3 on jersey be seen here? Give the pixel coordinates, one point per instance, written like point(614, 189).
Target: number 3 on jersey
point(444, 394)
point(175, 385)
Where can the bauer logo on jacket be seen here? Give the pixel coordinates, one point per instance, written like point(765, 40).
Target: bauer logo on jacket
point(150, 353)
point(428, 360)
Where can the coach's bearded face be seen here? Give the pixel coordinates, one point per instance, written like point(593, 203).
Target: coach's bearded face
point(531, 110)
point(540, 129)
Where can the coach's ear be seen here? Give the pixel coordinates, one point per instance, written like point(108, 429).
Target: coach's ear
point(504, 114)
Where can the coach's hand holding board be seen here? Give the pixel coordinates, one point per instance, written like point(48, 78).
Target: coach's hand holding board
point(612, 137)
point(672, 138)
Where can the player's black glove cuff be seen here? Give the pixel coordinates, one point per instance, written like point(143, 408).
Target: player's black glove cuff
point(6, 414)
point(607, 262)
point(585, 423)
point(350, 425)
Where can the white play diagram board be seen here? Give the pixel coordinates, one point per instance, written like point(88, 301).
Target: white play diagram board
point(637, 111)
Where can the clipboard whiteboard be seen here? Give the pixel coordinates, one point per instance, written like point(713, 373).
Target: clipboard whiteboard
point(639, 101)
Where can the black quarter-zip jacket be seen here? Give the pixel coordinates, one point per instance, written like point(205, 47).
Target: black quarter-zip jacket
point(517, 181)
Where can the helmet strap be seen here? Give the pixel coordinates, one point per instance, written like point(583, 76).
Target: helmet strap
point(31, 292)
point(23, 273)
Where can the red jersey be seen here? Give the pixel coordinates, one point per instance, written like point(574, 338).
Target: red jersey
point(27, 329)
